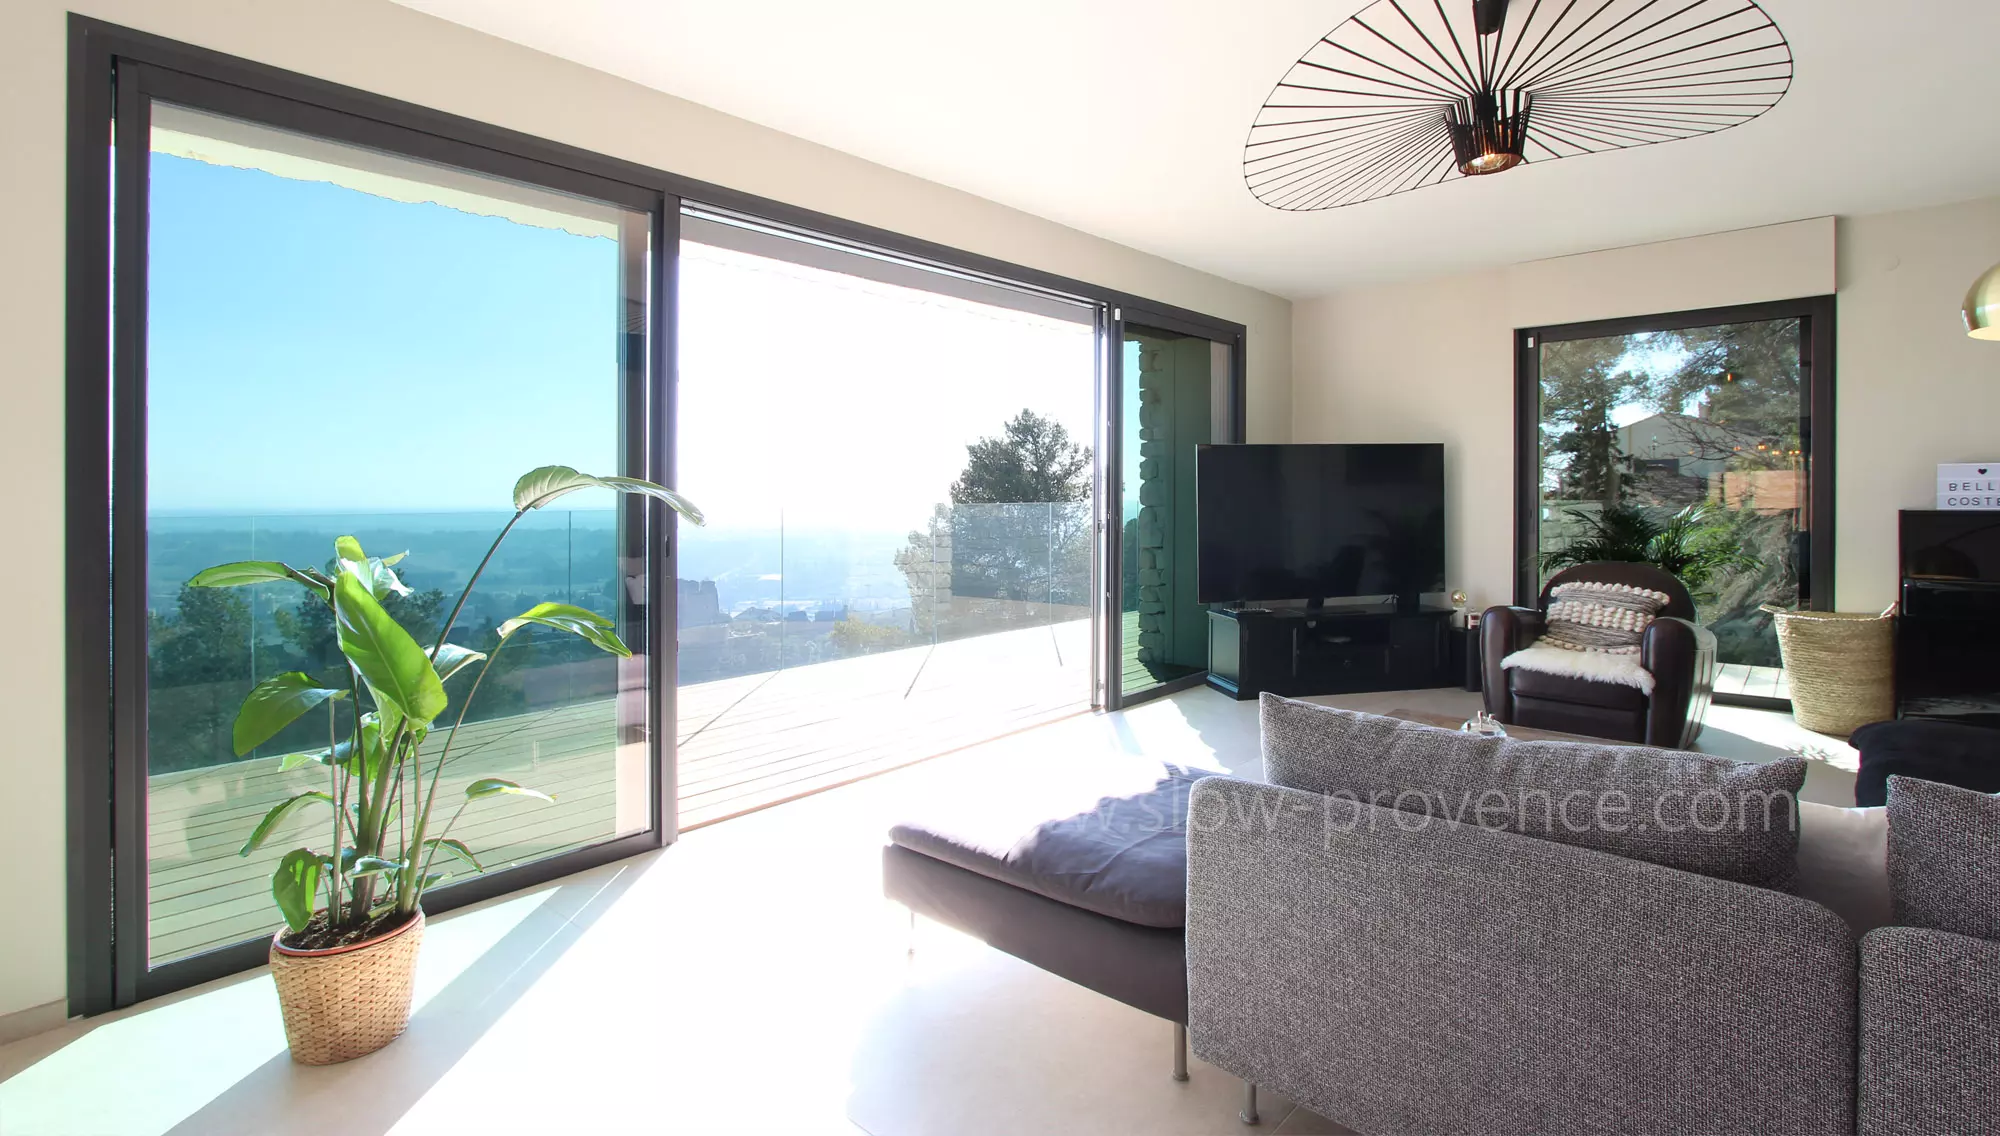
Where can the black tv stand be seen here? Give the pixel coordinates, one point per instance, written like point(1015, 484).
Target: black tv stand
point(1327, 650)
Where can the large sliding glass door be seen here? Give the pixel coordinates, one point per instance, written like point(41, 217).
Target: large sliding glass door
point(1177, 390)
point(299, 312)
point(897, 466)
point(318, 334)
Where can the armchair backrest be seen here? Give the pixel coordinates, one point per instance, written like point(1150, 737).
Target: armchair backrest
point(1679, 606)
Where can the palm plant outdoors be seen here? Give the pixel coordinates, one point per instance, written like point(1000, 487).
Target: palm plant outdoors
point(1690, 544)
point(384, 852)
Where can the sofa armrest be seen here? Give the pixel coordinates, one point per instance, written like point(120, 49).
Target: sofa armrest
point(1930, 1032)
point(1503, 631)
point(1398, 973)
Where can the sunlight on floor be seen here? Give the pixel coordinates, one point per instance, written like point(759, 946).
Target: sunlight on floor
point(749, 979)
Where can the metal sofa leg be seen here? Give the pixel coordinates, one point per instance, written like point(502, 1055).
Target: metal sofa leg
point(1180, 1052)
point(1249, 1113)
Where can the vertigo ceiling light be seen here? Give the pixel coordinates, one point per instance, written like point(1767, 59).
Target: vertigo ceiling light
point(1409, 93)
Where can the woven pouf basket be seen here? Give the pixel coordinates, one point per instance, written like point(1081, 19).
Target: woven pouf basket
point(344, 1002)
point(1840, 665)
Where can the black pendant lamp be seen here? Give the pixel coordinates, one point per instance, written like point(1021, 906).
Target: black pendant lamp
point(1408, 93)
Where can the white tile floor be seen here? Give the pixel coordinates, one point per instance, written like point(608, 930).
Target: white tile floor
point(750, 979)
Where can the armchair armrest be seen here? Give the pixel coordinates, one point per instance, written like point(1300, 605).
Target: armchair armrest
point(1503, 631)
point(1681, 657)
point(1401, 973)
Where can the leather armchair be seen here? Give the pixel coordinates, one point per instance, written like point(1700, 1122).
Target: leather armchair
point(1679, 653)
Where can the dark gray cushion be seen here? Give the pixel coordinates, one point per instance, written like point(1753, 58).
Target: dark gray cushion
point(1728, 819)
point(1109, 838)
point(1930, 1033)
point(1944, 857)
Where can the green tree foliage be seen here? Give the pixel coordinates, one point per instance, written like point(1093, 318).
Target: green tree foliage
point(1730, 399)
point(853, 636)
point(1018, 525)
point(1583, 381)
point(200, 663)
point(1032, 459)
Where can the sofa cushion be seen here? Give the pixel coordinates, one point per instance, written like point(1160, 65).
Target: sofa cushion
point(1108, 837)
point(1728, 819)
point(1943, 845)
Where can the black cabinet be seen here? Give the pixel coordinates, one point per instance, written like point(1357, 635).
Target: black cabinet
point(1328, 650)
point(1948, 626)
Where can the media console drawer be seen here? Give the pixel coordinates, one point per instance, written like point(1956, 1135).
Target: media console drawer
point(1298, 652)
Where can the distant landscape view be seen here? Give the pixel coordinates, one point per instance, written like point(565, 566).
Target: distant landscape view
point(896, 465)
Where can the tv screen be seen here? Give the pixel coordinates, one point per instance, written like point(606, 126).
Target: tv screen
point(1317, 521)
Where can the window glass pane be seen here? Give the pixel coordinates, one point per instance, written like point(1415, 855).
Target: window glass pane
point(895, 463)
point(1708, 423)
point(342, 342)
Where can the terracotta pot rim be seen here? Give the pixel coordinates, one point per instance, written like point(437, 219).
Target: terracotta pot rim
point(279, 948)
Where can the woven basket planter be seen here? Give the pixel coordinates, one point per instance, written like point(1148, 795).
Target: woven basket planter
point(344, 1002)
point(1840, 665)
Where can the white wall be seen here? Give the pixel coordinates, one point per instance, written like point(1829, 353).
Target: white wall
point(1913, 389)
point(394, 51)
point(1432, 361)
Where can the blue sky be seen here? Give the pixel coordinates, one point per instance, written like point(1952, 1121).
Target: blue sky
point(318, 348)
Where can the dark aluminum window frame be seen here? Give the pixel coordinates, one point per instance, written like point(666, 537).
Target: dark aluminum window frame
point(1816, 360)
point(104, 823)
point(1110, 516)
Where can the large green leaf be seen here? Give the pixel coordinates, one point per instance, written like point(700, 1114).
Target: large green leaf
point(275, 703)
point(457, 850)
point(500, 787)
point(357, 866)
point(538, 487)
point(396, 669)
point(575, 620)
point(245, 572)
point(452, 658)
point(295, 885)
point(375, 571)
point(278, 813)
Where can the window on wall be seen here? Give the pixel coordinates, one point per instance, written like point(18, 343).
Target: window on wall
point(1710, 431)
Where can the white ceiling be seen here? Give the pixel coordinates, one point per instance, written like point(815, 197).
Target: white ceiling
point(1127, 118)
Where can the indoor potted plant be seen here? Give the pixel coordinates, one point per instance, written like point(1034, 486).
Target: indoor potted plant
point(343, 966)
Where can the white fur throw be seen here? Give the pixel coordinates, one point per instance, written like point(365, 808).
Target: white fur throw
point(1597, 666)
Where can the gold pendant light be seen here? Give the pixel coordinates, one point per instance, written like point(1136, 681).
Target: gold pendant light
point(1982, 306)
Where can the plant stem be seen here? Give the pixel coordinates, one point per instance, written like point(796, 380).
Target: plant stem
point(356, 759)
point(426, 870)
point(334, 793)
point(430, 796)
point(449, 620)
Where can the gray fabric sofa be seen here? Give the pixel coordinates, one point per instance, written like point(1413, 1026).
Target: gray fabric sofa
point(1399, 972)
point(1454, 979)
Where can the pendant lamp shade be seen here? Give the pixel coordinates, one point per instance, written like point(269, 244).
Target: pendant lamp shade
point(1982, 306)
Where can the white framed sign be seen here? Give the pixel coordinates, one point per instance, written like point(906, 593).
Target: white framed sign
point(1968, 486)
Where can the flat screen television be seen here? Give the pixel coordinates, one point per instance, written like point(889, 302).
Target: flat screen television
point(1317, 521)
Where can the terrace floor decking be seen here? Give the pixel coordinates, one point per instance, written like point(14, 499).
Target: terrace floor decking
point(1757, 682)
point(743, 744)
